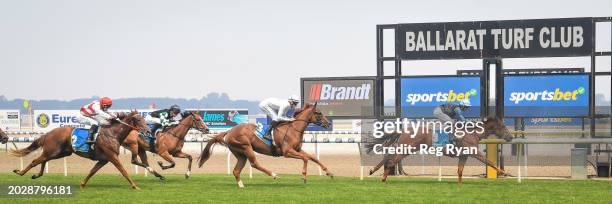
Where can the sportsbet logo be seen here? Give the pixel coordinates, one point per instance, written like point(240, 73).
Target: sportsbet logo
point(546, 95)
point(329, 92)
point(450, 96)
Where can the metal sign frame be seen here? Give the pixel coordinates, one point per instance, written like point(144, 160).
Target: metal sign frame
point(485, 77)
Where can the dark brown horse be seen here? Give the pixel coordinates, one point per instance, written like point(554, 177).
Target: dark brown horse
point(491, 125)
point(243, 143)
point(3, 137)
point(58, 143)
point(168, 143)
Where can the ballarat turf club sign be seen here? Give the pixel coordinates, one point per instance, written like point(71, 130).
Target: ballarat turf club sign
point(491, 39)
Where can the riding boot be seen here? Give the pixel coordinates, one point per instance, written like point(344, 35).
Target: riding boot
point(92, 132)
point(268, 134)
point(154, 130)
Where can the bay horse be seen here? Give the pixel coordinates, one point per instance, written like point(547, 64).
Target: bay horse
point(58, 144)
point(243, 143)
point(168, 143)
point(3, 137)
point(490, 125)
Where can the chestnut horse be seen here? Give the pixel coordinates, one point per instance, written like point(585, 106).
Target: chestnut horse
point(490, 125)
point(243, 143)
point(58, 143)
point(3, 137)
point(168, 143)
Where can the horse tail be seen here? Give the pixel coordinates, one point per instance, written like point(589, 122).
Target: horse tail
point(207, 151)
point(385, 140)
point(23, 152)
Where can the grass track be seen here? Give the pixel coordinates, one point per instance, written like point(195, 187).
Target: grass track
point(219, 188)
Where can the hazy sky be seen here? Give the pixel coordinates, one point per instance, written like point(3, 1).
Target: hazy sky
point(249, 49)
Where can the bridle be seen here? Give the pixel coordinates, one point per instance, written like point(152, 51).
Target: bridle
point(318, 121)
point(193, 125)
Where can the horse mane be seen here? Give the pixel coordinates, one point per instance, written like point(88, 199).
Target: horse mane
point(300, 110)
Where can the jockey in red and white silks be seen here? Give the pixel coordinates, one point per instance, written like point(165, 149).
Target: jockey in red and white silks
point(95, 114)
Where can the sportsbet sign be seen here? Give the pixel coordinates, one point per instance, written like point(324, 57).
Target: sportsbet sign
point(546, 95)
point(420, 95)
point(340, 97)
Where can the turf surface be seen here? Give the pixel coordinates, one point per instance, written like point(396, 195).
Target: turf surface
point(219, 188)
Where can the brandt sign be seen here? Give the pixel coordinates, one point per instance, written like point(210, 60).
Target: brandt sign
point(340, 97)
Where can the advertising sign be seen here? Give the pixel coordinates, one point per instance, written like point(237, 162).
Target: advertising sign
point(340, 97)
point(420, 95)
point(47, 120)
point(546, 95)
point(10, 120)
point(224, 118)
point(491, 39)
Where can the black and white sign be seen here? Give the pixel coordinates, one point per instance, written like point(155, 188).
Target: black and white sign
point(490, 39)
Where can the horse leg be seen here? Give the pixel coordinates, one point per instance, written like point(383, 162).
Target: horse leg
point(389, 164)
point(93, 171)
point(41, 172)
point(180, 154)
point(239, 166)
point(297, 155)
point(168, 158)
point(317, 161)
point(115, 161)
point(380, 164)
point(143, 157)
point(484, 160)
point(250, 154)
point(41, 159)
point(462, 160)
point(133, 147)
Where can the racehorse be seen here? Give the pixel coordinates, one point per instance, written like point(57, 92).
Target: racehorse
point(490, 125)
point(243, 143)
point(3, 137)
point(168, 143)
point(58, 143)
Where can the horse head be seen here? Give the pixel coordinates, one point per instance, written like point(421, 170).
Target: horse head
point(3, 137)
point(310, 113)
point(196, 121)
point(496, 126)
point(135, 121)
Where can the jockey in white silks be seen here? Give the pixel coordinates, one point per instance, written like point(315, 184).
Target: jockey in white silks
point(277, 110)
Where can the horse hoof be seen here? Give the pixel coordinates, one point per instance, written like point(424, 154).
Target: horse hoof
point(34, 176)
point(160, 164)
point(275, 176)
point(240, 184)
point(17, 172)
point(82, 185)
point(330, 175)
point(186, 176)
point(136, 188)
point(304, 179)
point(161, 178)
point(371, 172)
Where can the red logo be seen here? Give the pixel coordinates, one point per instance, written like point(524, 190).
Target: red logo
point(315, 92)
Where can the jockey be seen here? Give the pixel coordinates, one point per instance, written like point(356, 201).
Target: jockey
point(277, 110)
point(95, 114)
point(164, 117)
point(451, 111)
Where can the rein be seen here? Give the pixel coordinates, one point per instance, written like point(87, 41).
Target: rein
point(193, 125)
point(124, 123)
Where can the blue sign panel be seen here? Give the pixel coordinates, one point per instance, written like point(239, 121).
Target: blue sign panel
point(420, 95)
point(546, 96)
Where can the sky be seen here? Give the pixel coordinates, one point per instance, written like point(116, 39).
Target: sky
point(249, 49)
